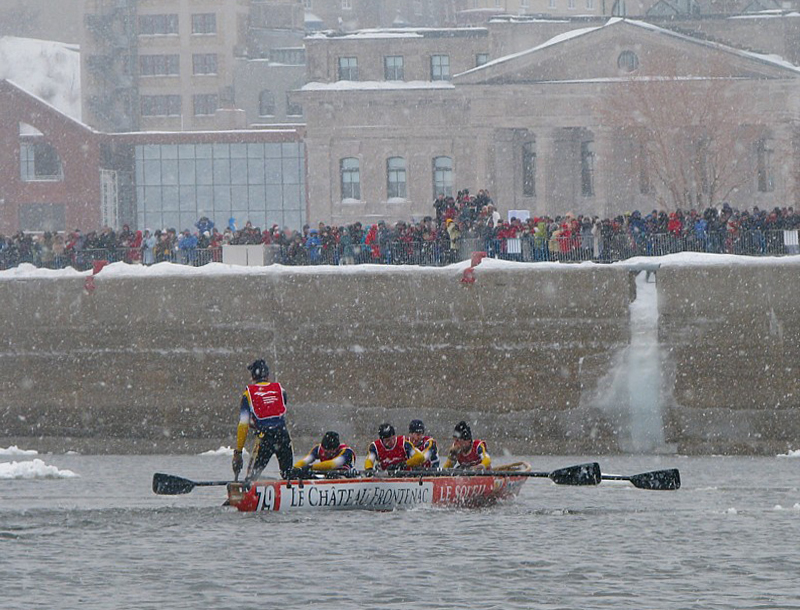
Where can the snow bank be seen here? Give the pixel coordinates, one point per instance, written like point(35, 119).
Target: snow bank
point(36, 469)
point(225, 451)
point(14, 450)
point(685, 259)
point(793, 453)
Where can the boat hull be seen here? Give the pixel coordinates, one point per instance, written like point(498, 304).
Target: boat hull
point(373, 493)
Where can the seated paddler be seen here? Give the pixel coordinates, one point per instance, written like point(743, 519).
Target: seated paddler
point(426, 444)
point(329, 456)
point(467, 452)
point(392, 452)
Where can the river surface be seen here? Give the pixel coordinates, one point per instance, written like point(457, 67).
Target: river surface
point(730, 538)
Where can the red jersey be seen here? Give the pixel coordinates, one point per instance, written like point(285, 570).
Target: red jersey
point(266, 400)
point(390, 457)
point(474, 456)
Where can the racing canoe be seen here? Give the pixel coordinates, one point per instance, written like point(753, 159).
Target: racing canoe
point(379, 493)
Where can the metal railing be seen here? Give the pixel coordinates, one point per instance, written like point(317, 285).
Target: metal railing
point(437, 253)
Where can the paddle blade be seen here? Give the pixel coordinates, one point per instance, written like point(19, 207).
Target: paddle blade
point(658, 479)
point(582, 474)
point(170, 485)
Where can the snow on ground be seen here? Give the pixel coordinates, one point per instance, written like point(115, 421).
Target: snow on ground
point(225, 451)
point(27, 271)
point(47, 69)
point(14, 450)
point(35, 469)
point(793, 453)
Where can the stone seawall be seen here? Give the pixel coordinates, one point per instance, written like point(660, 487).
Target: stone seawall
point(156, 362)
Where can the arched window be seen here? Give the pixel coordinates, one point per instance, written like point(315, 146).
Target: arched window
point(442, 176)
point(764, 170)
point(587, 168)
point(396, 177)
point(266, 103)
point(529, 168)
point(628, 61)
point(351, 178)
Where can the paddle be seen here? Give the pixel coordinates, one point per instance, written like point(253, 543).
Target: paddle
point(582, 474)
point(657, 479)
point(171, 485)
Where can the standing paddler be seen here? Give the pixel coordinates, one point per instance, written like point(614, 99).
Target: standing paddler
point(263, 408)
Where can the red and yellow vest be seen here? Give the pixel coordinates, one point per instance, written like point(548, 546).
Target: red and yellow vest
point(390, 457)
point(266, 400)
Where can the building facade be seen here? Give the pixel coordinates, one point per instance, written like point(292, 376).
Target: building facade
point(537, 127)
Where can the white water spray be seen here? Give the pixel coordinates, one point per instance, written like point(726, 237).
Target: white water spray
point(630, 395)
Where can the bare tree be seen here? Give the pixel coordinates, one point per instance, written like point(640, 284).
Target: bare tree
point(693, 136)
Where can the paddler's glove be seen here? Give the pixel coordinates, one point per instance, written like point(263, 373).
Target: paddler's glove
point(395, 467)
point(237, 463)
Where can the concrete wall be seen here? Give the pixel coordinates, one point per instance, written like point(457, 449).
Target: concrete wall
point(733, 335)
point(157, 363)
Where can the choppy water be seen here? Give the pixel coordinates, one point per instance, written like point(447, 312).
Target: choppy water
point(728, 539)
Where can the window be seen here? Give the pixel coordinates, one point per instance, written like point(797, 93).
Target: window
point(308, 4)
point(205, 103)
point(266, 103)
point(204, 63)
point(290, 56)
point(619, 9)
point(587, 168)
point(529, 169)
point(766, 179)
point(481, 59)
point(351, 179)
point(571, 4)
point(292, 107)
point(590, 5)
point(628, 61)
point(161, 105)
point(645, 184)
point(525, 4)
point(347, 5)
point(442, 176)
point(551, 3)
point(393, 67)
point(348, 68)
point(396, 177)
point(39, 161)
point(440, 67)
point(158, 25)
point(159, 65)
point(204, 23)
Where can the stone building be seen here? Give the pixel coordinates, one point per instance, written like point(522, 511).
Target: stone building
point(534, 125)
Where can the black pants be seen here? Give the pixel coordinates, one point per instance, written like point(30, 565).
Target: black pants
point(274, 441)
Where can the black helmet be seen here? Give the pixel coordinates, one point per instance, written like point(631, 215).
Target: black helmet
point(385, 431)
point(462, 431)
point(330, 441)
point(416, 425)
point(259, 370)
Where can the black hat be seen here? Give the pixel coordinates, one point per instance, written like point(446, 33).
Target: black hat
point(259, 370)
point(462, 431)
point(385, 431)
point(330, 441)
point(416, 425)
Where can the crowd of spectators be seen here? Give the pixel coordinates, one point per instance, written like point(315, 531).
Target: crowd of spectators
point(456, 225)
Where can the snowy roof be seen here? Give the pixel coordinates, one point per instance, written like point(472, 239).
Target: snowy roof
point(774, 60)
point(410, 32)
point(23, 91)
point(376, 85)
